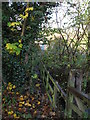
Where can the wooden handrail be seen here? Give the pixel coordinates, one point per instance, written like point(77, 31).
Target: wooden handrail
point(71, 89)
point(79, 94)
point(64, 94)
point(58, 87)
point(82, 100)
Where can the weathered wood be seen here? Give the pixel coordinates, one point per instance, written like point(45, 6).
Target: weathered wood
point(47, 82)
point(80, 104)
point(43, 74)
point(63, 94)
point(68, 107)
point(44, 78)
point(78, 79)
point(56, 88)
point(56, 85)
point(50, 88)
point(73, 90)
point(75, 109)
point(69, 95)
point(78, 82)
point(71, 81)
point(50, 98)
point(79, 94)
point(54, 97)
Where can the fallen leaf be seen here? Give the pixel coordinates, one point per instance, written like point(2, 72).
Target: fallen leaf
point(38, 103)
point(32, 98)
point(20, 105)
point(52, 113)
point(27, 104)
point(37, 85)
point(33, 106)
point(19, 109)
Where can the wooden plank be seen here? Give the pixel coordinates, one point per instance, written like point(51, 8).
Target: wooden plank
point(47, 82)
point(50, 88)
point(43, 74)
point(69, 101)
point(79, 94)
point(57, 86)
point(68, 105)
point(75, 109)
point(80, 104)
point(50, 98)
point(54, 97)
point(60, 89)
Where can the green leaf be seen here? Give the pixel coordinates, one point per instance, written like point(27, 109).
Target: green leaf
point(18, 52)
point(34, 76)
point(9, 24)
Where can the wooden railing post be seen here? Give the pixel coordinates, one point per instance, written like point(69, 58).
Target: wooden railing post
point(54, 96)
point(69, 100)
point(43, 74)
point(78, 82)
point(47, 82)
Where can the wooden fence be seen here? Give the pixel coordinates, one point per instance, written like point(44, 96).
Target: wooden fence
point(75, 100)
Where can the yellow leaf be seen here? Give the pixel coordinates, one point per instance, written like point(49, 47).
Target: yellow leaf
point(21, 15)
point(20, 105)
point(21, 98)
point(31, 8)
point(33, 105)
point(9, 83)
point(10, 88)
point(26, 15)
point(38, 103)
point(35, 112)
point(32, 98)
point(20, 41)
point(12, 24)
point(27, 101)
point(15, 116)
point(3, 99)
point(27, 104)
point(20, 45)
point(12, 29)
point(6, 110)
point(7, 88)
point(11, 51)
point(14, 86)
point(37, 85)
point(10, 112)
point(7, 45)
point(17, 93)
point(25, 97)
point(28, 9)
point(21, 102)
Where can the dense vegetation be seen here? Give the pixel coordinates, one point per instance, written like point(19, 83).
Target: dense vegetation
point(24, 30)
